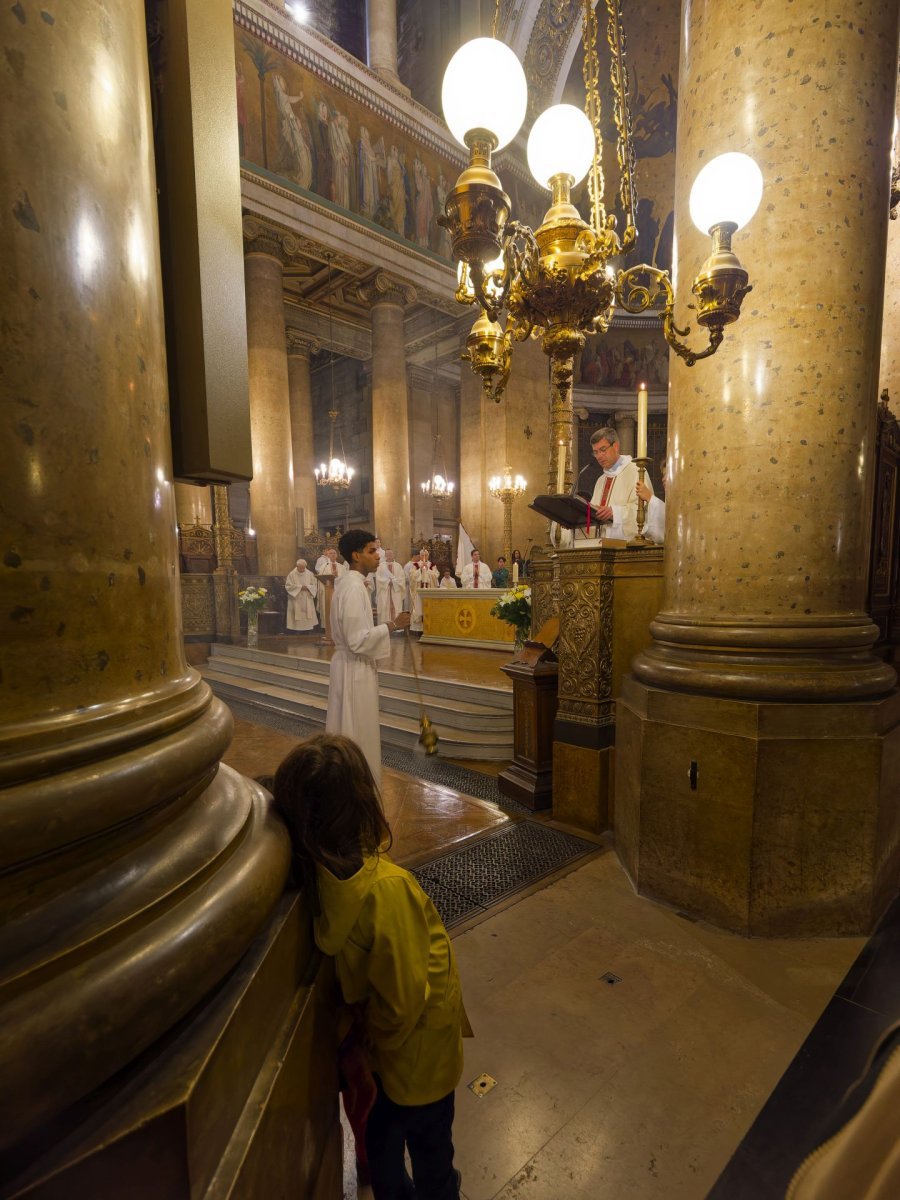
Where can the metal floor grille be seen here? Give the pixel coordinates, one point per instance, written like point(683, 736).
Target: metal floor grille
point(471, 879)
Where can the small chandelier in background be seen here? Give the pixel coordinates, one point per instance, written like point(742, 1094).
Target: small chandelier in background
point(559, 282)
point(336, 474)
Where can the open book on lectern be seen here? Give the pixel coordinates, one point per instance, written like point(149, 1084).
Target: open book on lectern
point(571, 512)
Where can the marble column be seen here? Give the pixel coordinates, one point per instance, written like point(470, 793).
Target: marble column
point(626, 427)
point(390, 421)
point(135, 869)
point(299, 348)
point(758, 761)
point(271, 490)
point(421, 385)
point(192, 504)
point(381, 23)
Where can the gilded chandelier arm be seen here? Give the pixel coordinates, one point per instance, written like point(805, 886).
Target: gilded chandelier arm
point(618, 74)
point(640, 287)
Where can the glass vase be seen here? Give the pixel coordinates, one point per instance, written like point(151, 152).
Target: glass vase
point(252, 629)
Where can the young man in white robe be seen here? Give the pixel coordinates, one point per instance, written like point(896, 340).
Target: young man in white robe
point(447, 580)
point(423, 575)
point(655, 522)
point(359, 644)
point(390, 588)
point(301, 588)
point(476, 574)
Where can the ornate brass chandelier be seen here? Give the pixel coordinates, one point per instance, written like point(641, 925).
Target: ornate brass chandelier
point(559, 282)
point(335, 474)
point(438, 487)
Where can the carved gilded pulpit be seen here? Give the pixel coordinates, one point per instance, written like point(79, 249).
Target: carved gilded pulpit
point(606, 598)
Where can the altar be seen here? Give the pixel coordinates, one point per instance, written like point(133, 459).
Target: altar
point(451, 616)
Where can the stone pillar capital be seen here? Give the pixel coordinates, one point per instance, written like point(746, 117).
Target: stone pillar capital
point(622, 415)
point(300, 344)
point(384, 289)
point(260, 238)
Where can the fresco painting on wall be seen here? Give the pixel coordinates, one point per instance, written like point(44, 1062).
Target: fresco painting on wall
point(312, 134)
point(623, 358)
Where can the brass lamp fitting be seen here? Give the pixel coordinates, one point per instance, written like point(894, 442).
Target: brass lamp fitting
point(722, 282)
point(477, 209)
point(488, 350)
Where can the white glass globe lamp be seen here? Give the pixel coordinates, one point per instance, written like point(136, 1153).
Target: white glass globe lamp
point(561, 142)
point(484, 88)
point(727, 190)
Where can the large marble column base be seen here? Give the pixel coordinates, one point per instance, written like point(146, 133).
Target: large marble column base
point(765, 818)
point(240, 1101)
point(583, 786)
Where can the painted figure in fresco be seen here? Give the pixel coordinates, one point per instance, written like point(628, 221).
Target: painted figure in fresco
point(664, 245)
point(295, 135)
point(396, 192)
point(424, 202)
point(341, 158)
point(324, 174)
point(370, 158)
point(409, 216)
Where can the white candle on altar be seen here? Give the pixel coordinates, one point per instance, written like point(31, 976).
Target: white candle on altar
point(642, 422)
point(561, 468)
point(515, 573)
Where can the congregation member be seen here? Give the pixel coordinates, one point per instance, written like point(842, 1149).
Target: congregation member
point(301, 588)
point(359, 644)
point(423, 575)
point(500, 577)
point(476, 574)
point(390, 588)
point(655, 524)
point(447, 580)
point(614, 502)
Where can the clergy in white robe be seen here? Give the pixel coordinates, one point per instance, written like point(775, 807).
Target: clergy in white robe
point(615, 496)
point(447, 580)
point(359, 645)
point(328, 569)
point(655, 520)
point(390, 587)
point(423, 576)
point(476, 574)
point(301, 588)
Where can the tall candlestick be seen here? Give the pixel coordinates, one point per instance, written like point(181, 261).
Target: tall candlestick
point(515, 573)
point(561, 468)
point(642, 422)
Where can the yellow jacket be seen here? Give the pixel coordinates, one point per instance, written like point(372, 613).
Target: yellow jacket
point(393, 955)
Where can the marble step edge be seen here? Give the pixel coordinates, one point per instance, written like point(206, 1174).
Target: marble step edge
point(314, 684)
point(395, 731)
point(500, 694)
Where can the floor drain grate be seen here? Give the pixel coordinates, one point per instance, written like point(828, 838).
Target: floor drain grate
point(611, 979)
point(482, 1085)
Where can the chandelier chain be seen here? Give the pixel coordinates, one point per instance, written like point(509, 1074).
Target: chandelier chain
point(625, 153)
point(592, 107)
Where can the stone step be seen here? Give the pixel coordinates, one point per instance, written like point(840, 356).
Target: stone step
point(490, 745)
point(454, 712)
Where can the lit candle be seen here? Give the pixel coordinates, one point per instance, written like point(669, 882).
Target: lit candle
point(515, 573)
point(642, 422)
point(561, 468)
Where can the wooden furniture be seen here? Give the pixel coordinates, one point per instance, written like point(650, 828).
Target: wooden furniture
point(884, 560)
point(534, 674)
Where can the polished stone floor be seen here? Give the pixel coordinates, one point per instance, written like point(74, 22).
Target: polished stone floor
point(632, 1048)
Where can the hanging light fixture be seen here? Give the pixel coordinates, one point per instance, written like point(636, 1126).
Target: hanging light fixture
point(335, 474)
point(439, 487)
point(558, 282)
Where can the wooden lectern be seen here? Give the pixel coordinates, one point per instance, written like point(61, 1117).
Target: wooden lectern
point(534, 672)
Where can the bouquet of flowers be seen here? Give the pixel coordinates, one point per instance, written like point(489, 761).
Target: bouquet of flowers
point(514, 607)
point(253, 599)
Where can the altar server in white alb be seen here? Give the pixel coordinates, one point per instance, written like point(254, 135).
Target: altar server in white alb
point(301, 587)
point(359, 644)
point(655, 523)
point(614, 502)
point(390, 588)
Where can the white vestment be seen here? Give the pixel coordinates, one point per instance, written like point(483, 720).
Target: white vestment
point(484, 575)
point(353, 681)
point(449, 582)
point(655, 524)
point(390, 590)
point(301, 587)
point(621, 497)
point(419, 578)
